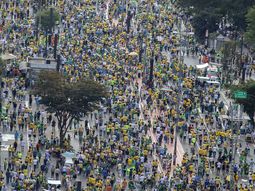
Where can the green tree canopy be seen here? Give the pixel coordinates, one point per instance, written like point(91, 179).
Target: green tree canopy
point(68, 101)
point(46, 20)
point(208, 14)
point(249, 103)
point(250, 32)
point(204, 21)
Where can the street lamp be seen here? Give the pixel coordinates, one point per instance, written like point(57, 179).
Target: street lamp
point(56, 41)
point(151, 71)
point(243, 67)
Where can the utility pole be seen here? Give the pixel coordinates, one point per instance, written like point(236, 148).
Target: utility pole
point(49, 30)
point(39, 22)
point(51, 25)
point(206, 35)
point(242, 62)
point(206, 38)
point(151, 70)
point(46, 44)
point(55, 45)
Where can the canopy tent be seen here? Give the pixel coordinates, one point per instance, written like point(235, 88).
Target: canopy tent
point(68, 155)
point(202, 78)
point(215, 64)
point(6, 57)
point(214, 78)
point(54, 182)
point(202, 66)
point(213, 82)
point(69, 161)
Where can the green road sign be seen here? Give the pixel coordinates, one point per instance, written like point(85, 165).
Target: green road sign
point(240, 95)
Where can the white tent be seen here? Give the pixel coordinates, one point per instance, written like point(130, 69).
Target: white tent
point(215, 64)
point(54, 182)
point(8, 57)
point(69, 161)
point(202, 66)
point(213, 82)
point(202, 78)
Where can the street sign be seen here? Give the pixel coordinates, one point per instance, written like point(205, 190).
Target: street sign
point(240, 95)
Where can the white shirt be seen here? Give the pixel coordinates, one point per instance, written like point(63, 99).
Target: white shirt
point(142, 178)
point(35, 161)
point(21, 176)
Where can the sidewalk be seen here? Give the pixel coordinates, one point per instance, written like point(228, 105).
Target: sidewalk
point(227, 101)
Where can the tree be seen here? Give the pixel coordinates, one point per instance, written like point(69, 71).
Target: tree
point(206, 15)
point(250, 32)
point(237, 18)
point(47, 19)
point(228, 61)
point(249, 103)
point(203, 21)
point(209, 14)
point(68, 101)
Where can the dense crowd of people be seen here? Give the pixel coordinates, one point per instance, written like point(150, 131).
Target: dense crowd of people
point(134, 49)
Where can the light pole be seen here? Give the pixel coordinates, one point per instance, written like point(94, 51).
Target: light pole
point(56, 42)
point(151, 71)
point(206, 38)
point(242, 62)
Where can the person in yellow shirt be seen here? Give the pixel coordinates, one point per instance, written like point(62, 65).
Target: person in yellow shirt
point(99, 183)
point(129, 161)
